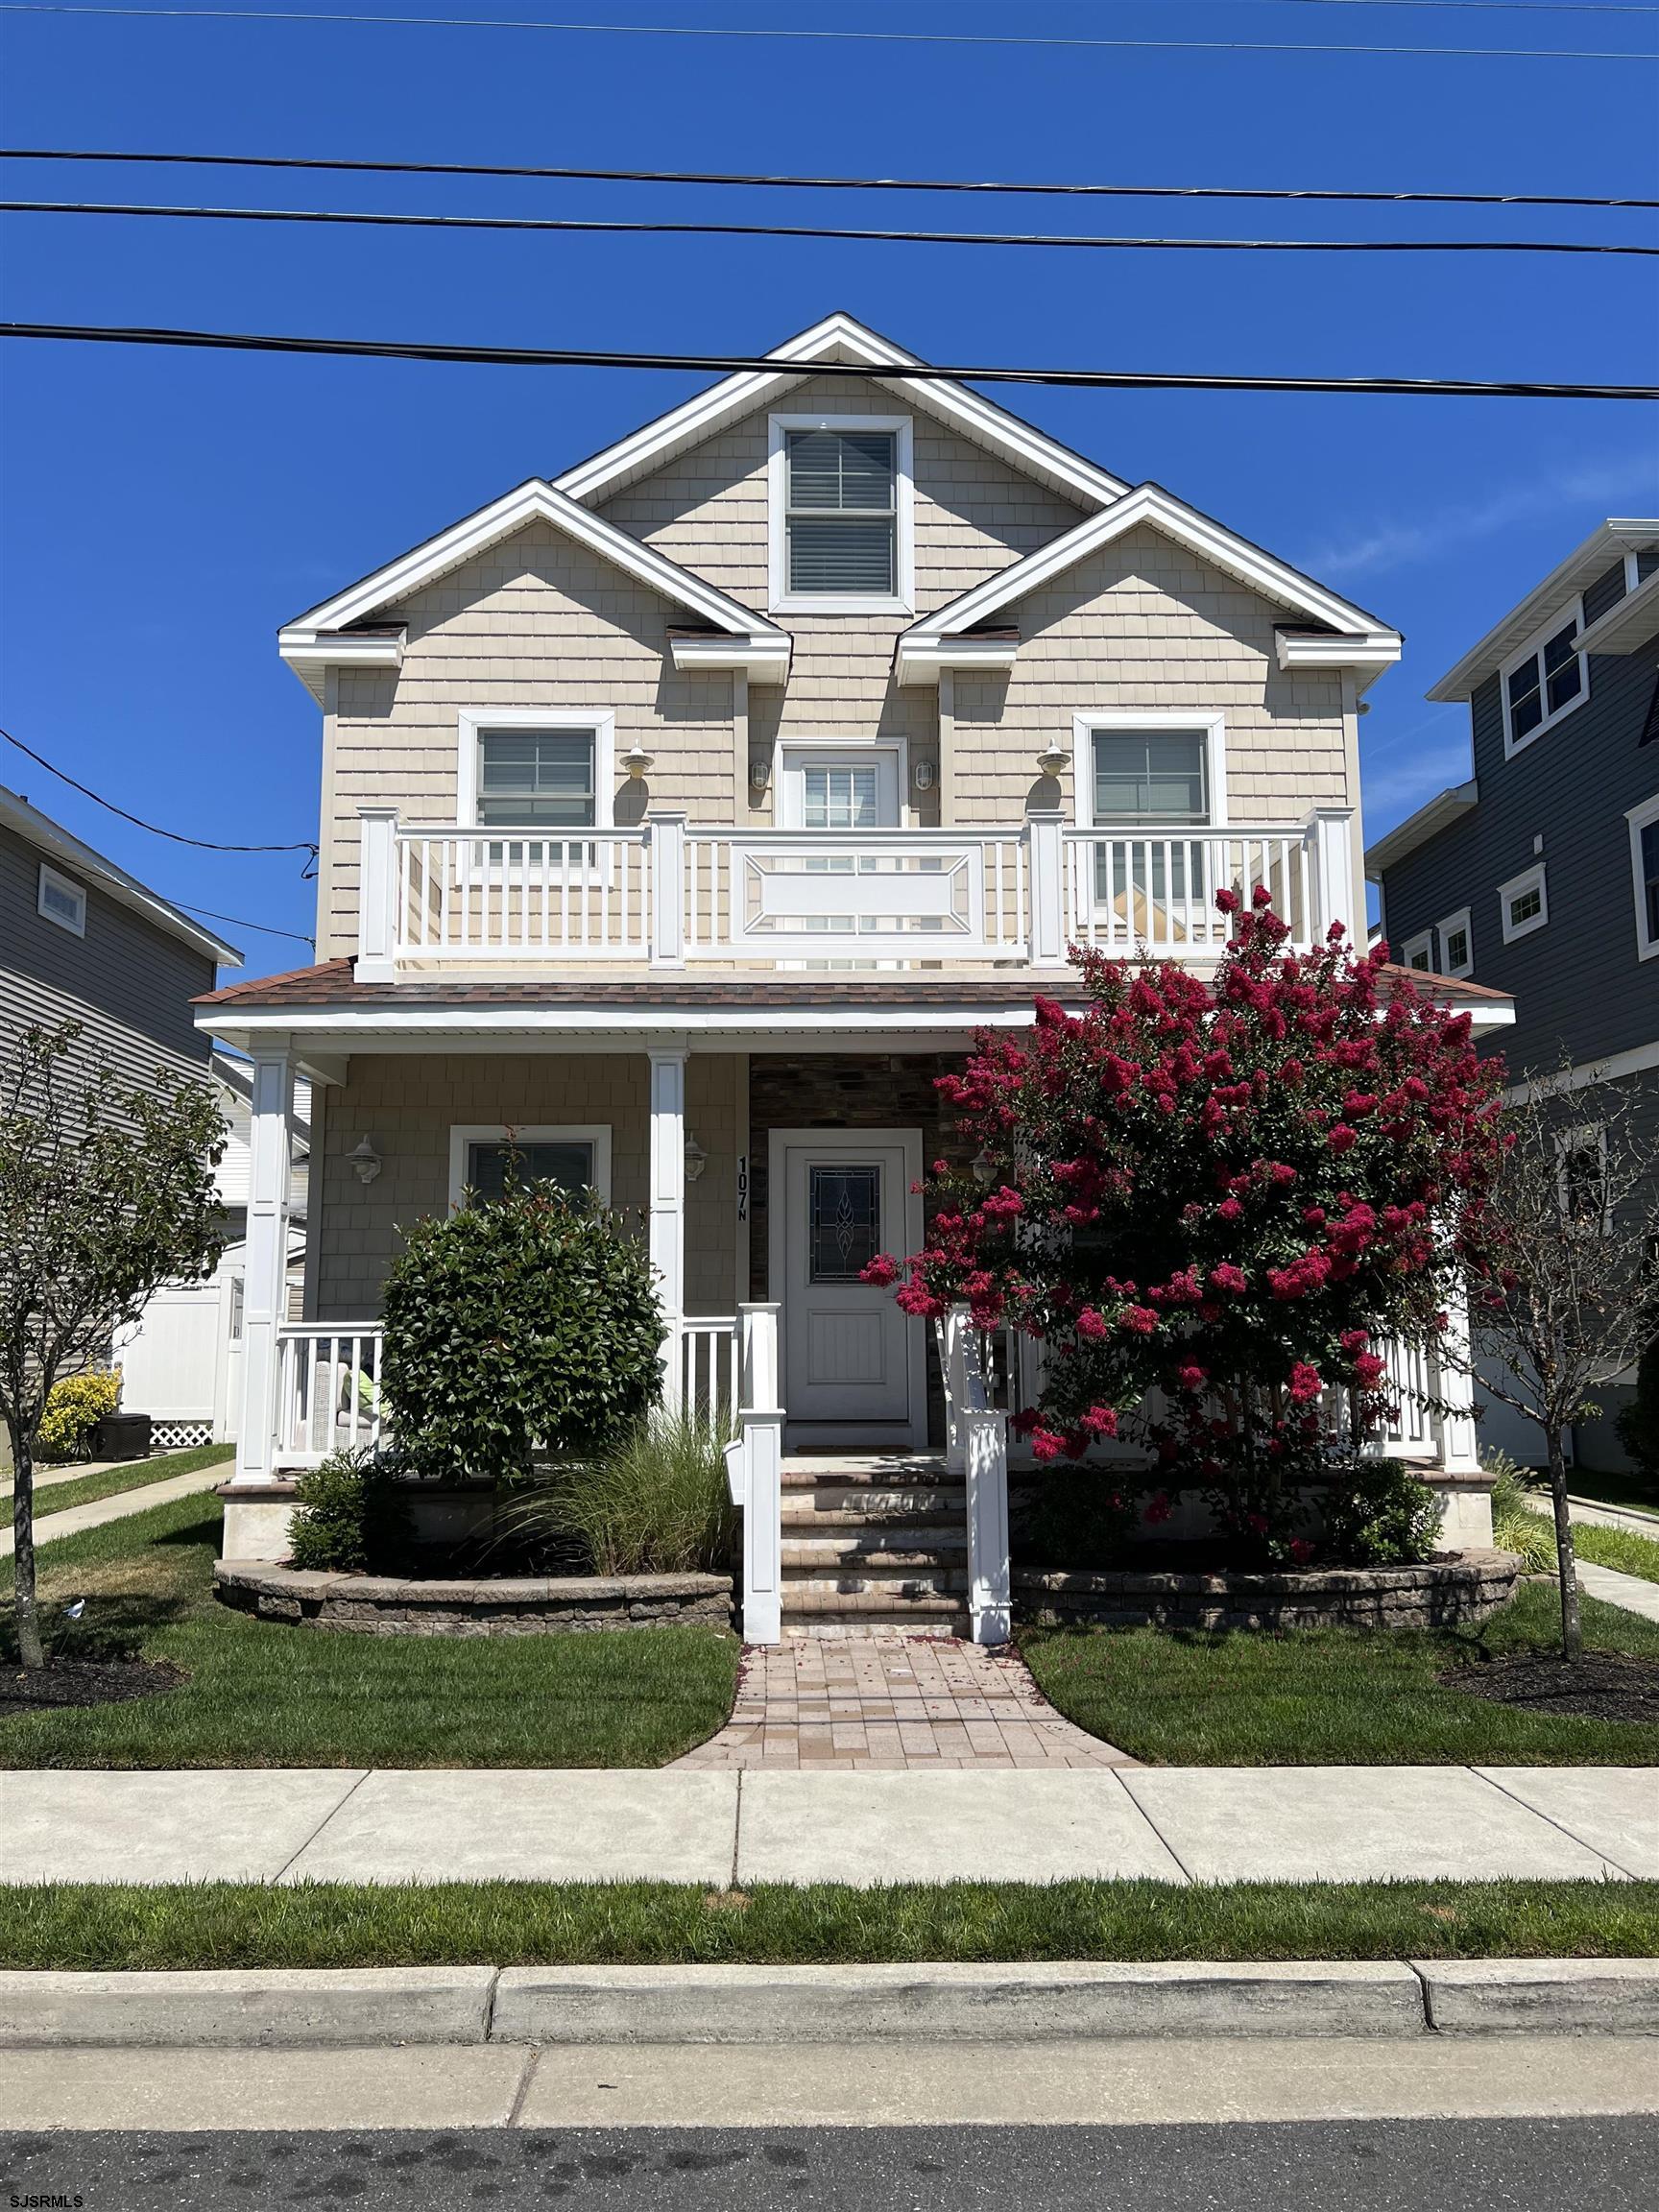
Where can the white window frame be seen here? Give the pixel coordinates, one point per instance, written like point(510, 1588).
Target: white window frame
point(1529, 878)
point(781, 600)
point(1464, 921)
point(1422, 942)
point(473, 721)
point(1534, 650)
point(1083, 728)
point(53, 879)
point(465, 1133)
point(1641, 817)
point(789, 753)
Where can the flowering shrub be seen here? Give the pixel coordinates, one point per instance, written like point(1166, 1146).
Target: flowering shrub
point(1226, 1193)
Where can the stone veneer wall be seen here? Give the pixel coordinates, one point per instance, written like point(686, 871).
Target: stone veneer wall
point(1442, 1593)
point(530, 1605)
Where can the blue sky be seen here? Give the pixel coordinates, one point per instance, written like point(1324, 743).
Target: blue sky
point(163, 513)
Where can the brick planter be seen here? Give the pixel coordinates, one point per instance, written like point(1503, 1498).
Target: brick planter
point(530, 1605)
point(1445, 1592)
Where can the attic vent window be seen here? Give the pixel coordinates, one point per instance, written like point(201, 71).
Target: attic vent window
point(840, 513)
point(61, 899)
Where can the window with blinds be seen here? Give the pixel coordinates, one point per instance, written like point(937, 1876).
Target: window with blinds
point(841, 514)
point(540, 782)
point(1151, 778)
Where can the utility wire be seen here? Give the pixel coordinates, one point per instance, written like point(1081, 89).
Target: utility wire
point(201, 844)
point(570, 357)
point(606, 226)
point(825, 183)
point(236, 921)
point(778, 31)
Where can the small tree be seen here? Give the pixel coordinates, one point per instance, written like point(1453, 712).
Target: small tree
point(1570, 1291)
point(1228, 1192)
point(531, 1321)
point(105, 1193)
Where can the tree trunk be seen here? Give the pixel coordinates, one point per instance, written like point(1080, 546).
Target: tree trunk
point(29, 1646)
point(1565, 1564)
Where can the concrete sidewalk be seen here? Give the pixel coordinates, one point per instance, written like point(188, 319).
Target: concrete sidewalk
point(1170, 1824)
point(118, 1507)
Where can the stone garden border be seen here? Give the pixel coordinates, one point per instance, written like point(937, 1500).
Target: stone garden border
point(481, 1605)
point(1442, 1593)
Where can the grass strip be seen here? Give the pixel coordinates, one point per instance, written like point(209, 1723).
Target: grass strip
point(135, 1474)
point(1620, 1549)
point(98, 1926)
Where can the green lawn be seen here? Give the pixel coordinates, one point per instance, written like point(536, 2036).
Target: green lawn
point(88, 1927)
point(1631, 1487)
point(1618, 1547)
point(261, 1695)
point(1330, 1697)
point(133, 1474)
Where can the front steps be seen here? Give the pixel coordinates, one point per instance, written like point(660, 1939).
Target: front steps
point(874, 1543)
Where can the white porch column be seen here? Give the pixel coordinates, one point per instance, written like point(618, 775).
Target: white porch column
point(377, 895)
point(1048, 855)
point(1458, 1476)
point(990, 1589)
point(667, 1215)
point(760, 1419)
point(265, 1290)
point(1332, 829)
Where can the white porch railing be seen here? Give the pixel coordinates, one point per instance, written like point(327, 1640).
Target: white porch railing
point(328, 1391)
point(708, 1368)
point(664, 893)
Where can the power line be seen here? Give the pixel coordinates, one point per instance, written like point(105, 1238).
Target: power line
point(570, 357)
point(575, 225)
point(236, 921)
point(778, 31)
point(201, 844)
point(826, 183)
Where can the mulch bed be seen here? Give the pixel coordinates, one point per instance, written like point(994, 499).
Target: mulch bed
point(71, 1682)
point(1601, 1684)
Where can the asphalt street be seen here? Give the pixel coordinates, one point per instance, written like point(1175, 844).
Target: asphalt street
point(1600, 2165)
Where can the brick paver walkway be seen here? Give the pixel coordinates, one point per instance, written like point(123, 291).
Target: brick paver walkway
point(899, 1701)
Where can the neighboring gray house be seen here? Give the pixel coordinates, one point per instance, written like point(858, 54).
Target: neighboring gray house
point(1540, 875)
point(82, 940)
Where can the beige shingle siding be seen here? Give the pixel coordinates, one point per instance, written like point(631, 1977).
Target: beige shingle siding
point(410, 1104)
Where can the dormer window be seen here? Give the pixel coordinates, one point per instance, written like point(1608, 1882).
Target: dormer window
point(1545, 682)
point(840, 513)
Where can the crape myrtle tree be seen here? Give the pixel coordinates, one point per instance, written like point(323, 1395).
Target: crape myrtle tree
point(106, 1192)
point(1569, 1296)
point(1212, 1201)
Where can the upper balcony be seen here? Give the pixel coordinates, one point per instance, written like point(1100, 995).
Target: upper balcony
point(438, 896)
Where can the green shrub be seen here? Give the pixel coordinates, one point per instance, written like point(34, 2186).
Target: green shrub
point(1078, 1515)
point(1377, 1514)
point(352, 1515)
point(655, 1502)
point(1637, 1424)
point(528, 1324)
point(74, 1408)
point(1516, 1526)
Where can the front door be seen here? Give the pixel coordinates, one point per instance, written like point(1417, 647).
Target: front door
point(852, 1367)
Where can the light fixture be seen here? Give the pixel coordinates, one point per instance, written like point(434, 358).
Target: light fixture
point(696, 1160)
point(984, 1169)
point(637, 761)
point(364, 1160)
point(922, 775)
point(759, 774)
point(1052, 760)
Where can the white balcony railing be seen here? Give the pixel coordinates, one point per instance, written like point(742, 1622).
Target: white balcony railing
point(663, 894)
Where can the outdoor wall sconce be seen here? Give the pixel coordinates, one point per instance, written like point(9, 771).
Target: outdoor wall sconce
point(696, 1160)
point(759, 775)
point(364, 1160)
point(1052, 760)
point(924, 775)
point(637, 762)
point(983, 1169)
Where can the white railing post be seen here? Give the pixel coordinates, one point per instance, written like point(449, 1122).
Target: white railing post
point(1332, 831)
point(265, 1286)
point(953, 1377)
point(1045, 839)
point(377, 915)
point(666, 1225)
point(990, 1592)
point(761, 1421)
point(667, 839)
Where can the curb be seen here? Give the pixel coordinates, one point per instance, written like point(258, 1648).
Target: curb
point(1064, 2000)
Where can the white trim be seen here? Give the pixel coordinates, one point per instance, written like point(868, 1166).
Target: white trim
point(473, 721)
point(1371, 649)
point(1534, 650)
point(1639, 817)
point(311, 653)
point(1150, 503)
point(1529, 878)
point(1422, 942)
point(41, 834)
point(764, 660)
point(1637, 1060)
point(1461, 920)
point(779, 1142)
point(52, 879)
point(530, 502)
point(780, 599)
point(924, 659)
point(1172, 718)
point(1430, 818)
point(1608, 541)
point(828, 748)
point(837, 338)
point(462, 1133)
point(1629, 620)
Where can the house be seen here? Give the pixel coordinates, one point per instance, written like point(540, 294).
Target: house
point(684, 813)
point(1539, 874)
point(81, 940)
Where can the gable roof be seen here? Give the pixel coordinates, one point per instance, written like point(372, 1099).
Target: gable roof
point(840, 338)
point(54, 843)
point(1347, 636)
point(333, 632)
point(1617, 536)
